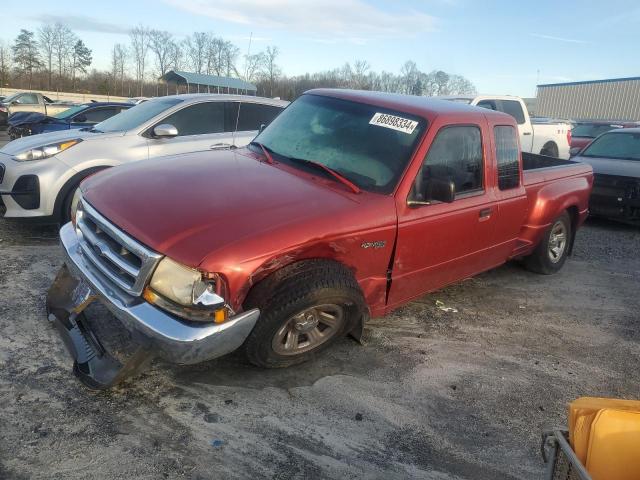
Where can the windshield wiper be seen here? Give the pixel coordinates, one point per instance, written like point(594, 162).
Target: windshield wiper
point(330, 171)
point(265, 151)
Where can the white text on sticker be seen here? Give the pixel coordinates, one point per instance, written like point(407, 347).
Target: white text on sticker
point(396, 123)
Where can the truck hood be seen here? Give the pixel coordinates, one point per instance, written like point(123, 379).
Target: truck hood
point(612, 166)
point(194, 205)
point(34, 141)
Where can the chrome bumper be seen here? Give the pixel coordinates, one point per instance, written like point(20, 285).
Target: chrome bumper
point(155, 331)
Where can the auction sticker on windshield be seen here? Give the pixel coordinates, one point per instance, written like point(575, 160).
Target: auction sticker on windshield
point(396, 123)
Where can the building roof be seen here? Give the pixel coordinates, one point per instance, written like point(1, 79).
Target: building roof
point(208, 80)
point(588, 82)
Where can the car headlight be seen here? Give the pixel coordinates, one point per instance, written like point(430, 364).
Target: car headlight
point(46, 151)
point(185, 292)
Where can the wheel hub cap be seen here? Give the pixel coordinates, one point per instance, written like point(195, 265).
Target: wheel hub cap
point(557, 242)
point(308, 329)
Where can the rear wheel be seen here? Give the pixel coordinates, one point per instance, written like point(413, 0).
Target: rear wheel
point(550, 255)
point(302, 312)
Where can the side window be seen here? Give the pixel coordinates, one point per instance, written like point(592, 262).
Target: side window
point(489, 104)
point(98, 115)
point(198, 119)
point(507, 157)
point(454, 156)
point(253, 115)
point(28, 99)
point(514, 109)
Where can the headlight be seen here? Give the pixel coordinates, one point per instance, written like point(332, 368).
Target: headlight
point(183, 291)
point(75, 202)
point(46, 151)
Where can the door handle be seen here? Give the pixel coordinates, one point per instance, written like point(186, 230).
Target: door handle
point(527, 133)
point(221, 146)
point(485, 213)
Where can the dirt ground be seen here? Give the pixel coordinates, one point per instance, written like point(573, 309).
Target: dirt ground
point(432, 394)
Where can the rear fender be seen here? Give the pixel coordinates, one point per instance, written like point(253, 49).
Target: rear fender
point(551, 201)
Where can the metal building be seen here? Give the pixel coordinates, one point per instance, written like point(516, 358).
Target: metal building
point(201, 83)
point(614, 99)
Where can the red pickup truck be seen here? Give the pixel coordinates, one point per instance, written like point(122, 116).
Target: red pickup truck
point(347, 206)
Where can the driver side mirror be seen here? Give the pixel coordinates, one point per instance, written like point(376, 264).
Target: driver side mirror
point(574, 151)
point(165, 130)
point(262, 127)
point(436, 190)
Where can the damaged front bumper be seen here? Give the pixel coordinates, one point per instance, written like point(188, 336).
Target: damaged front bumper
point(156, 332)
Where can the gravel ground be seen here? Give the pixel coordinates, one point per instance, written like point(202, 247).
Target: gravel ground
point(432, 394)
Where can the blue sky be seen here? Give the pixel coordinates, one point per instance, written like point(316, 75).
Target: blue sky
point(504, 47)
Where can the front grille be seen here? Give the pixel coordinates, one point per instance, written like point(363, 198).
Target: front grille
point(124, 261)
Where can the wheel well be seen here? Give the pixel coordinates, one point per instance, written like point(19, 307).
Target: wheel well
point(70, 186)
point(574, 214)
point(550, 146)
point(260, 292)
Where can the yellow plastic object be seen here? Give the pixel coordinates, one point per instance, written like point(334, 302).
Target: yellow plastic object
point(582, 413)
point(614, 446)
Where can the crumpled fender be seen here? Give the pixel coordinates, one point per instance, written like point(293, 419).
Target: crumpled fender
point(22, 118)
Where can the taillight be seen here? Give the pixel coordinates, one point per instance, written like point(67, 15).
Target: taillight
point(3, 109)
point(569, 136)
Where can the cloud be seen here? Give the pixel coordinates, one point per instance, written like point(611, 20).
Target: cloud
point(557, 39)
point(82, 23)
point(317, 18)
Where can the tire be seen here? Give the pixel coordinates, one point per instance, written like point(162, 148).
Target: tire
point(304, 308)
point(65, 208)
point(550, 149)
point(550, 255)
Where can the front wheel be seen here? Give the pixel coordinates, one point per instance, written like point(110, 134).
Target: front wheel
point(303, 314)
point(550, 255)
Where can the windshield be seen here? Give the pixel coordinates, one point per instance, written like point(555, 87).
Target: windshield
point(621, 146)
point(590, 130)
point(10, 98)
point(68, 113)
point(368, 145)
point(137, 115)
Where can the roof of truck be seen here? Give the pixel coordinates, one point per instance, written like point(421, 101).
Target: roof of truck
point(428, 107)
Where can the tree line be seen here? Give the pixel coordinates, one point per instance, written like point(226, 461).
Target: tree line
point(56, 59)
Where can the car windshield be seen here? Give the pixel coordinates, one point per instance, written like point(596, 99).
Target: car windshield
point(68, 113)
point(10, 98)
point(370, 146)
point(591, 130)
point(621, 146)
point(136, 116)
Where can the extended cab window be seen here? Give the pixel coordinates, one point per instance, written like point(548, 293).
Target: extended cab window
point(454, 156)
point(95, 116)
point(27, 99)
point(507, 157)
point(513, 108)
point(253, 116)
point(198, 119)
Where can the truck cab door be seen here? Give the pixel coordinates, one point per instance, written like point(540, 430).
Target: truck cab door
point(200, 126)
point(27, 102)
point(439, 243)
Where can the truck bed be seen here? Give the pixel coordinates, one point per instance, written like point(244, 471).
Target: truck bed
point(541, 168)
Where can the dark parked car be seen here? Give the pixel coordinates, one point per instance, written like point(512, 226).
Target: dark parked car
point(584, 131)
point(22, 124)
point(615, 158)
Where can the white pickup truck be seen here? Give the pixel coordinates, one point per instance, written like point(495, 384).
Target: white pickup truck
point(543, 136)
point(30, 102)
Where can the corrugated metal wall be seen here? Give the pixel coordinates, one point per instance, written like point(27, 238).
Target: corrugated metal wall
point(606, 100)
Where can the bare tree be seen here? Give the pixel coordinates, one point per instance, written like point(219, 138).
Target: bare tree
point(5, 64)
point(161, 44)
point(272, 70)
point(46, 39)
point(253, 66)
point(118, 65)
point(63, 41)
point(139, 49)
point(196, 48)
point(359, 78)
point(177, 58)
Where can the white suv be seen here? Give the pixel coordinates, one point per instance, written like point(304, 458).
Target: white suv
point(39, 174)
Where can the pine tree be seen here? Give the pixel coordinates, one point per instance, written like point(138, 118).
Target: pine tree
point(81, 59)
point(25, 54)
